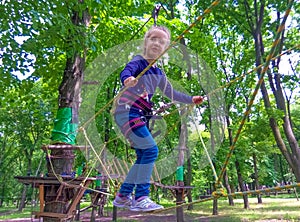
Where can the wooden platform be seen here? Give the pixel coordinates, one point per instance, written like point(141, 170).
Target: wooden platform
point(80, 183)
point(36, 181)
point(64, 147)
point(171, 187)
point(54, 215)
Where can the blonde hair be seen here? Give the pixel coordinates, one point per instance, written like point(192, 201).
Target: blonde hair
point(153, 28)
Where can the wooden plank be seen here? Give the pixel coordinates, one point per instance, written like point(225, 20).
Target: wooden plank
point(77, 197)
point(173, 187)
point(41, 197)
point(64, 146)
point(50, 214)
point(52, 180)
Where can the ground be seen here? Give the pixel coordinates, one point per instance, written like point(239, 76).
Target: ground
point(123, 215)
point(284, 209)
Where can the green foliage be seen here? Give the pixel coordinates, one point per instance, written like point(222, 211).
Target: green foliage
point(295, 115)
point(38, 36)
point(24, 128)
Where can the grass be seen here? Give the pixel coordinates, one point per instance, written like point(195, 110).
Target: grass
point(272, 209)
point(12, 212)
point(280, 209)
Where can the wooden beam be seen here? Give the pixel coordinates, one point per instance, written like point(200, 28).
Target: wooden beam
point(64, 147)
point(77, 197)
point(41, 197)
point(50, 214)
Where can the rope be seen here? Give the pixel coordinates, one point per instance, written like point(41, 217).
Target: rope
point(266, 190)
point(220, 193)
point(266, 64)
point(253, 70)
point(167, 106)
point(205, 149)
point(97, 156)
point(258, 85)
point(208, 10)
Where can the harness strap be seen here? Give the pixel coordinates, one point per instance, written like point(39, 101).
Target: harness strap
point(135, 101)
point(132, 124)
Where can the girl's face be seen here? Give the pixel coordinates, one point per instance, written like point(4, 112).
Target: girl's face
point(156, 43)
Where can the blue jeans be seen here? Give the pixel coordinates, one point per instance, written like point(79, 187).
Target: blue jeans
point(146, 150)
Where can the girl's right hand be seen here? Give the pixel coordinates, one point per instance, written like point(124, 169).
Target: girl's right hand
point(197, 99)
point(130, 81)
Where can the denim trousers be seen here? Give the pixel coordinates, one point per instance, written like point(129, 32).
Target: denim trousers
point(146, 150)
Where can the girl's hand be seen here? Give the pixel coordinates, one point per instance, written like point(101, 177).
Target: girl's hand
point(130, 81)
point(197, 99)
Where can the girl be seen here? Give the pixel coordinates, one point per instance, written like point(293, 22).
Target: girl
point(132, 109)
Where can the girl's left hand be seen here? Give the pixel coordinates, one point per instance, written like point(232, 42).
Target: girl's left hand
point(197, 99)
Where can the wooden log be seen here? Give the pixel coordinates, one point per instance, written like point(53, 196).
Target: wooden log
point(41, 197)
point(64, 146)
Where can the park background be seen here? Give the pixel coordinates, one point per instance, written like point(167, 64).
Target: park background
point(234, 38)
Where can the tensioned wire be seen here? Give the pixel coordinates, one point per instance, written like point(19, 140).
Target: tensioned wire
point(193, 120)
point(208, 10)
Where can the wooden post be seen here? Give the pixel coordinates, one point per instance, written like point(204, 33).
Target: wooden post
point(41, 197)
point(77, 216)
point(180, 170)
point(115, 209)
point(179, 201)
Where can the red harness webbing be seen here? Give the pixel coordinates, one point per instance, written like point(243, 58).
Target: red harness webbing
point(135, 101)
point(132, 124)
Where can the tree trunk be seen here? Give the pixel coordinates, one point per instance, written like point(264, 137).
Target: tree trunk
point(227, 186)
point(62, 164)
point(293, 155)
point(241, 183)
point(180, 163)
point(189, 179)
point(282, 172)
point(25, 187)
point(215, 206)
point(65, 128)
point(23, 198)
point(259, 199)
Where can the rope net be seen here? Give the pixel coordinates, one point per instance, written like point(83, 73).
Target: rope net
point(103, 155)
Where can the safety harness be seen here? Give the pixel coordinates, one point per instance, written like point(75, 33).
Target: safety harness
point(129, 99)
point(136, 101)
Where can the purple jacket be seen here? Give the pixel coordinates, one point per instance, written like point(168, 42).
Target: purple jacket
point(149, 81)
